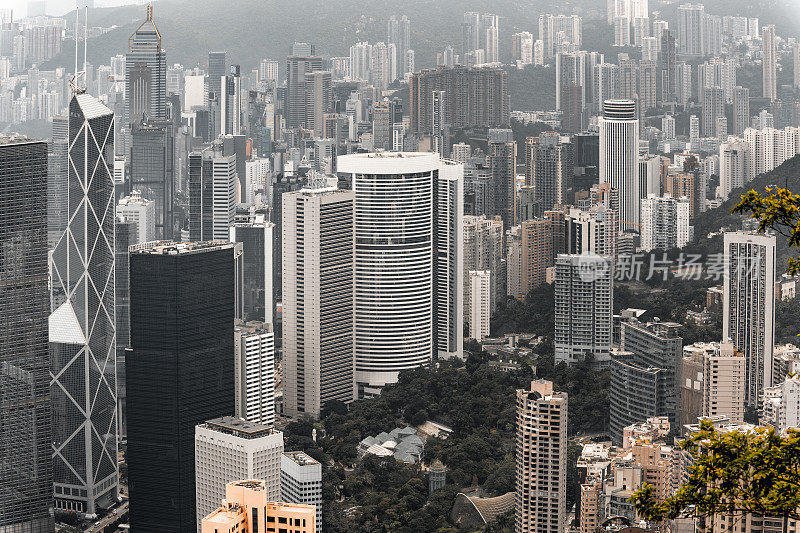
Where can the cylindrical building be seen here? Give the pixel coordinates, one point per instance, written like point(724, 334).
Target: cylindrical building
point(619, 157)
point(393, 293)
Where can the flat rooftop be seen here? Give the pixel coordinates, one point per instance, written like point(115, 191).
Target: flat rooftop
point(238, 427)
point(179, 248)
point(301, 458)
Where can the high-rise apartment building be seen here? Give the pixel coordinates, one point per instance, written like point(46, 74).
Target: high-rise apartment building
point(317, 259)
point(713, 101)
point(296, 100)
point(399, 34)
point(665, 222)
point(723, 383)
point(179, 373)
point(82, 329)
point(26, 463)
point(619, 156)
point(475, 97)
point(256, 237)
point(734, 161)
point(394, 206)
point(748, 313)
point(645, 375)
point(584, 295)
point(247, 504)
point(212, 193)
point(541, 459)
point(769, 48)
point(228, 449)
point(255, 372)
point(542, 240)
point(781, 406)
point(502, 157)
point(548, 168)
point(301, 482)
point(146, 73)
point(318, 100)
point(479, 311)
point(483, 250)
point(741, 110)
point(522, 48)
point(448, 259)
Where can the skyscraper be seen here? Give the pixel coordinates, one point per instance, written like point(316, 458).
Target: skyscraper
point(490, 28)
point(296, 103)
point(317, 298)
point(26, 464)
point(584, 296)
point(734, 161)
point(301, 482)
point(146, 72)
point(665, 222)
point(713, 109)
point(152, 170)
point(741, 110)
point(480, 314)
point(255, 372)
point(230, 102)
point(212, 193)
point(228, 449)
point(57, 175)
point(470, 32)
point(217, 69)
point(769, 62)
point(179, 373)
point(548, 168)
point(503, 166)
point(318, 100)
point(259, 293)
point(393, 264)
point(541, 459)
point(399, 34)
point(82, 328)
point(448, 260)
point(748, 314)
point(619, 156)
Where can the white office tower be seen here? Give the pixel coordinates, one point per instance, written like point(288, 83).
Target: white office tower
point(448, 260)
point(317, 292)
point(619, 156)
point(665, 222)
point(769, 49)
point(650, 175)
point(480, 313)
point(781, 407)
point(584, 295)
point(748, 313)
point(212, 193)
point(254, 372)
point(541, 459)
point(229, 449)
point(723, 383)
point(140, 211)
point(393, 263)
point(301, 481)
point(591, 231)
point(734, 161)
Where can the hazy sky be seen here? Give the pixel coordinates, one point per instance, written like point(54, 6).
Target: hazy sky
point(57, 7)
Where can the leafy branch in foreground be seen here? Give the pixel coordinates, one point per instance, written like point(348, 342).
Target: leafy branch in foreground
point(733, 474)
point(779, 210)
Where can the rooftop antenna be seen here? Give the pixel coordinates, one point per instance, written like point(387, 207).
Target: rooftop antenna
point(73, 83)
point(85, 42)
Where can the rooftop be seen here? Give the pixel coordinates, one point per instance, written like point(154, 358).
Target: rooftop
point(238, 427)
point(179, 248)
point(301, 458)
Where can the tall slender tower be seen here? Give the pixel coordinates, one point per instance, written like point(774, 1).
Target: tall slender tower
point(82, 326)
point(748, 316)
point(146, 72)
point(619, 156)
point(541, 459)
point(317, 298)
point(769, 62)
point(26, 466)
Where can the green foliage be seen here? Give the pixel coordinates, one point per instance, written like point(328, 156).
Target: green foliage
point(534, 314)
point(733, 474)
point(777, 209)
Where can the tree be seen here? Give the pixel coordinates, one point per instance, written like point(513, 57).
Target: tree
point(734, 474)
point(778, 209)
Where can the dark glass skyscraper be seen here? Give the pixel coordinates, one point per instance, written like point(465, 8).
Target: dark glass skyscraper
point(26, 467)
point(152, 169)
point(256, 238)
point(179, 373)
point(82, 326)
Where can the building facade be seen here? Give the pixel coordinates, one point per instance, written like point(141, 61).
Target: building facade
point(255, 372)
point(301, 482)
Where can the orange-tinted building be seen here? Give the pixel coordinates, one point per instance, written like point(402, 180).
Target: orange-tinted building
point(247, 509)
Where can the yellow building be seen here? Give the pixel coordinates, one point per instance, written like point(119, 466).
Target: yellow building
point(247, 509)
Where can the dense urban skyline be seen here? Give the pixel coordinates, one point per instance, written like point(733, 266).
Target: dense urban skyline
point(481, 282)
